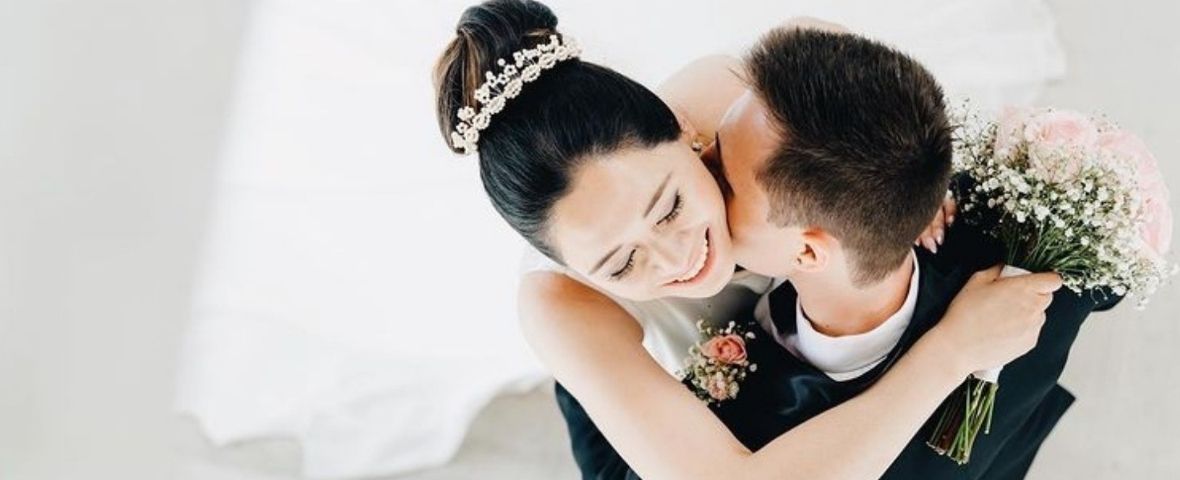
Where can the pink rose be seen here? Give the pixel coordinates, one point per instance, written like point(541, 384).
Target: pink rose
point(730, 349)
point(1062, 129)
point(717, 386)
point(1127, 145)
point(1060, 143)
point(1157, 228)
point(1010, 127)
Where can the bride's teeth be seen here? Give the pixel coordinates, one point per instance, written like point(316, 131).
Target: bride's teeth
point(701, 259)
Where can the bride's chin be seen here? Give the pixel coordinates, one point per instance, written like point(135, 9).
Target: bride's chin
point(716, 282)
point(724, 276)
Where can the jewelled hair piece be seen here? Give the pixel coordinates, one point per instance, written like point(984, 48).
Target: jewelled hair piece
point(498, 88)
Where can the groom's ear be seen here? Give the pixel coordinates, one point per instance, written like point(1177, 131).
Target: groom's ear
point(815, 251)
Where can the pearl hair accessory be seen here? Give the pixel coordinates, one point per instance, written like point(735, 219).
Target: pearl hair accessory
point(497, 89)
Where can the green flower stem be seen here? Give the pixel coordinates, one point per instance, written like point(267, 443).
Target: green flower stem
point(968, 412)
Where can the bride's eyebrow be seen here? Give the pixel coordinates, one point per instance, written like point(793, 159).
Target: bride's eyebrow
point(659, 193)
point(604, 259)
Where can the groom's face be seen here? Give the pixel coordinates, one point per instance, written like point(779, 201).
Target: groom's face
point(746, 139)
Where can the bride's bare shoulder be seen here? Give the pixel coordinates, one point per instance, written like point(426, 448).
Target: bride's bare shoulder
point(702, 91)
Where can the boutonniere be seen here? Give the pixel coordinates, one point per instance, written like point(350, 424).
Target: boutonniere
point(718, 363)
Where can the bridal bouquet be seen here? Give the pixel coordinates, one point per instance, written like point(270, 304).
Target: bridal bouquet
point(1063, 192)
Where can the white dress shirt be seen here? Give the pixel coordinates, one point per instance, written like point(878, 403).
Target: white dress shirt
point(848, 356)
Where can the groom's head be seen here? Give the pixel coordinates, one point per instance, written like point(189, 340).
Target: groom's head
point(837, 157)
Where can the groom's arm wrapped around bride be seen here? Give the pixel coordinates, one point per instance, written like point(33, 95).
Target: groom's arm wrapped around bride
point(785, 391)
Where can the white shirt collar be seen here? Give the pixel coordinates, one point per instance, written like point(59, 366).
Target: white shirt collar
point(850, 356)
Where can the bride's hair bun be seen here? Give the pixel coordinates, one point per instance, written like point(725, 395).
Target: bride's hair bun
point(486, 32)
point(573, 111)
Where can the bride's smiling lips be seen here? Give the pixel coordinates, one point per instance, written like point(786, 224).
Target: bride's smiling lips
point(700, 266)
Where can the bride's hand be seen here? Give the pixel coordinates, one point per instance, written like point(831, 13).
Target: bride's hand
point(993, 320)
point(932, 237)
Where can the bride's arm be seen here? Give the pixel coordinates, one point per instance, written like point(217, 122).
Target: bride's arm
point(593, 347)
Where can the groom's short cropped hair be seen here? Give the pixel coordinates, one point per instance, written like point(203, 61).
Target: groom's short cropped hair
point(865, 144)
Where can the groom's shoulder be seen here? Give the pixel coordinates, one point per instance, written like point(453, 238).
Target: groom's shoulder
point(968, 246)
point(967, 243)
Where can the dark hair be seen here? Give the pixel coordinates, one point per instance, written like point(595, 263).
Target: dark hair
point(865, 147)
point(531, 149)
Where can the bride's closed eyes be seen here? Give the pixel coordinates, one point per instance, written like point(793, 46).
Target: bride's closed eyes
point(677, 205)
point(621, 273)
point(677, 202)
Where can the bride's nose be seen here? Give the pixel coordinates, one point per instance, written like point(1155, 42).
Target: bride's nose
point(670, 255)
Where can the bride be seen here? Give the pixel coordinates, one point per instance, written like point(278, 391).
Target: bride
point(612, 328)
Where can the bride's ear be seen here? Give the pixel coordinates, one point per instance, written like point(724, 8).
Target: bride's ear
point(688, 133)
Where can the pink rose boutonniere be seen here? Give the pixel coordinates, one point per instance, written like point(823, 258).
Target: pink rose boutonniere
point(717, 365)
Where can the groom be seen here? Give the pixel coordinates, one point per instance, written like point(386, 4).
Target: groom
point(836, 160)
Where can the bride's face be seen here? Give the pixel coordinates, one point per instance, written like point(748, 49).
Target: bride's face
point(644, 224)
